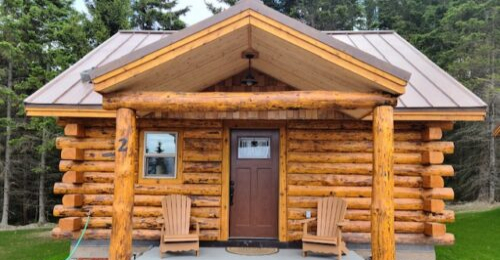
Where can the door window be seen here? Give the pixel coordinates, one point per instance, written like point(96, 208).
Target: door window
point(254, 148)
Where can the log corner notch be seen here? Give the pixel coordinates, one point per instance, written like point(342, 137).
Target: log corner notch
point(382, 207)
point(123, 197)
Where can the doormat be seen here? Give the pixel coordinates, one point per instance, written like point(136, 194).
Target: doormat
point(252, 250)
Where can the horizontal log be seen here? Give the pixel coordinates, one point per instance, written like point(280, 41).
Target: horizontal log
point(202, 178)
point(349, 135)
point(365, 192)
point(432, 133)
point(447, 239)
point(150, 200)
point(72, 200)
point(347, 180)
point(361, 157)
point(355, 203)
point(139, 211)
point(72, 154)
point(100, 132)
point(151, 222)
point(202, 167)
point(137, 234)
point(363, 125)
point(203, 145)
point(367, 146)
point(243, 101)
point(363, 226)
point(201, 156)
point(140, 189)
point(434, 229)
point(76, 130)
point(98, 177)
point(144, 123)
point(98, 155)
point(86, 166)
point(432, 182)
point(434, 205)
point(73, 177)
point(431, 157)
point(203, 133)
point(85, 143)
point(70, 224)
point(446, 216)
point(366, 169)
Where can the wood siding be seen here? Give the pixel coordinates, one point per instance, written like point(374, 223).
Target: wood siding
point(323, 157)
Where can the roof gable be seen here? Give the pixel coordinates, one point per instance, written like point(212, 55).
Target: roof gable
point(202, 54)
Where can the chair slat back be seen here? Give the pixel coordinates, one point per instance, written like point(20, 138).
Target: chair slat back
point(331, 211)
point(176, 214)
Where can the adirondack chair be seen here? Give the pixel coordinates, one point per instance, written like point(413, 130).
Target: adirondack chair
point(175, 235)
point(328, 238)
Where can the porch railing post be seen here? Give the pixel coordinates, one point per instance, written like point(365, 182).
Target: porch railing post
point(123, 199)
point(382, 207)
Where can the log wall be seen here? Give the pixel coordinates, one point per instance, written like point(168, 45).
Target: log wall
point(322, 158)
point(327, 158)
point(87, 186)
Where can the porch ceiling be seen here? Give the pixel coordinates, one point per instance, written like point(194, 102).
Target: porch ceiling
point(200, 57)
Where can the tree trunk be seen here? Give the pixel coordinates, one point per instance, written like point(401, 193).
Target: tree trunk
point(41, 185)
point(7, 168)
point(492, 163)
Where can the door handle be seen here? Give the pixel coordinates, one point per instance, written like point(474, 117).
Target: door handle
point(231, 193)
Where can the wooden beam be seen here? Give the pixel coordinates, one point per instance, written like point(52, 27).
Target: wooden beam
point(123, 198)
point(72, 154)
point(432, 181)
point(76, 130)
point(382, 209)
point(434, 205)
point(70, 224)
point(72, 200)
point(434, 229)
point(432, 157)
point(244, 101)
point(73, 177)
point(432, 133)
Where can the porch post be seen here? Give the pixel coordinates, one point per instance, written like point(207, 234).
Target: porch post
point(123, 199)
point(382, 207)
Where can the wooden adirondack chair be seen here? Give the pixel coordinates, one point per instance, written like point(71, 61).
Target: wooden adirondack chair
point(328, 238)
point(175, 234)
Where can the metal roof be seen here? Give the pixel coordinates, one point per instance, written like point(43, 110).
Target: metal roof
point(429, 87)
point(259, 7)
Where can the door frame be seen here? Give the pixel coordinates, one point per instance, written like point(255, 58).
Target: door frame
point(228, 125)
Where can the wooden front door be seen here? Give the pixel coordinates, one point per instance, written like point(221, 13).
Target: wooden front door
point(254, 184)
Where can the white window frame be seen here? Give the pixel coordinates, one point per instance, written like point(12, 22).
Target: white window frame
point(166, 155)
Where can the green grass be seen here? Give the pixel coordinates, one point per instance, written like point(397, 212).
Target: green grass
point(34, 244)
point(477, 237)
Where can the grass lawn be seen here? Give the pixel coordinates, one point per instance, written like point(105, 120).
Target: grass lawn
point(33, 244)
point(477, 237)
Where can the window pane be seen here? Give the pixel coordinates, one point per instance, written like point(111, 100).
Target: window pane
point(161, 143)
point(160, 167)
point(254, 148)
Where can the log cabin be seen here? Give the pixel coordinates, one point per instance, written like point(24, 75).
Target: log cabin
point(255, 116)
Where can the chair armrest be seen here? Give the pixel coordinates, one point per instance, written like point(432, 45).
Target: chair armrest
point(305, 222)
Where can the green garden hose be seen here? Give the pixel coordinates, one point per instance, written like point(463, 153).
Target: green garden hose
point(80, 238)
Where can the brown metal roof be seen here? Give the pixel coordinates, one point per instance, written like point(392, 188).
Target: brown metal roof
point(261, 8)
point(429, 88)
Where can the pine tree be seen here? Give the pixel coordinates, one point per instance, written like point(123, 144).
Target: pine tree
point(157, 15)
point(108, 17)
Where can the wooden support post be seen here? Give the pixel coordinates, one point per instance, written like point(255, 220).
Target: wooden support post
point(123, 199)
point(382, 208)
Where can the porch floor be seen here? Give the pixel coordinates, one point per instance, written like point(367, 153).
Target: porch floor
point(219, 253)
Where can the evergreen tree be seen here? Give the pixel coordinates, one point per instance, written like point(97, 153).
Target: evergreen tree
point(157, 15)
point(108, 17)
point(330, 15)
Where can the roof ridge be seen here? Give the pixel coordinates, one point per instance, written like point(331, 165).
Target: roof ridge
point(360, 32)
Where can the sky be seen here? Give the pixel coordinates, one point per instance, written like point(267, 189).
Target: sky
point(198, 11)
